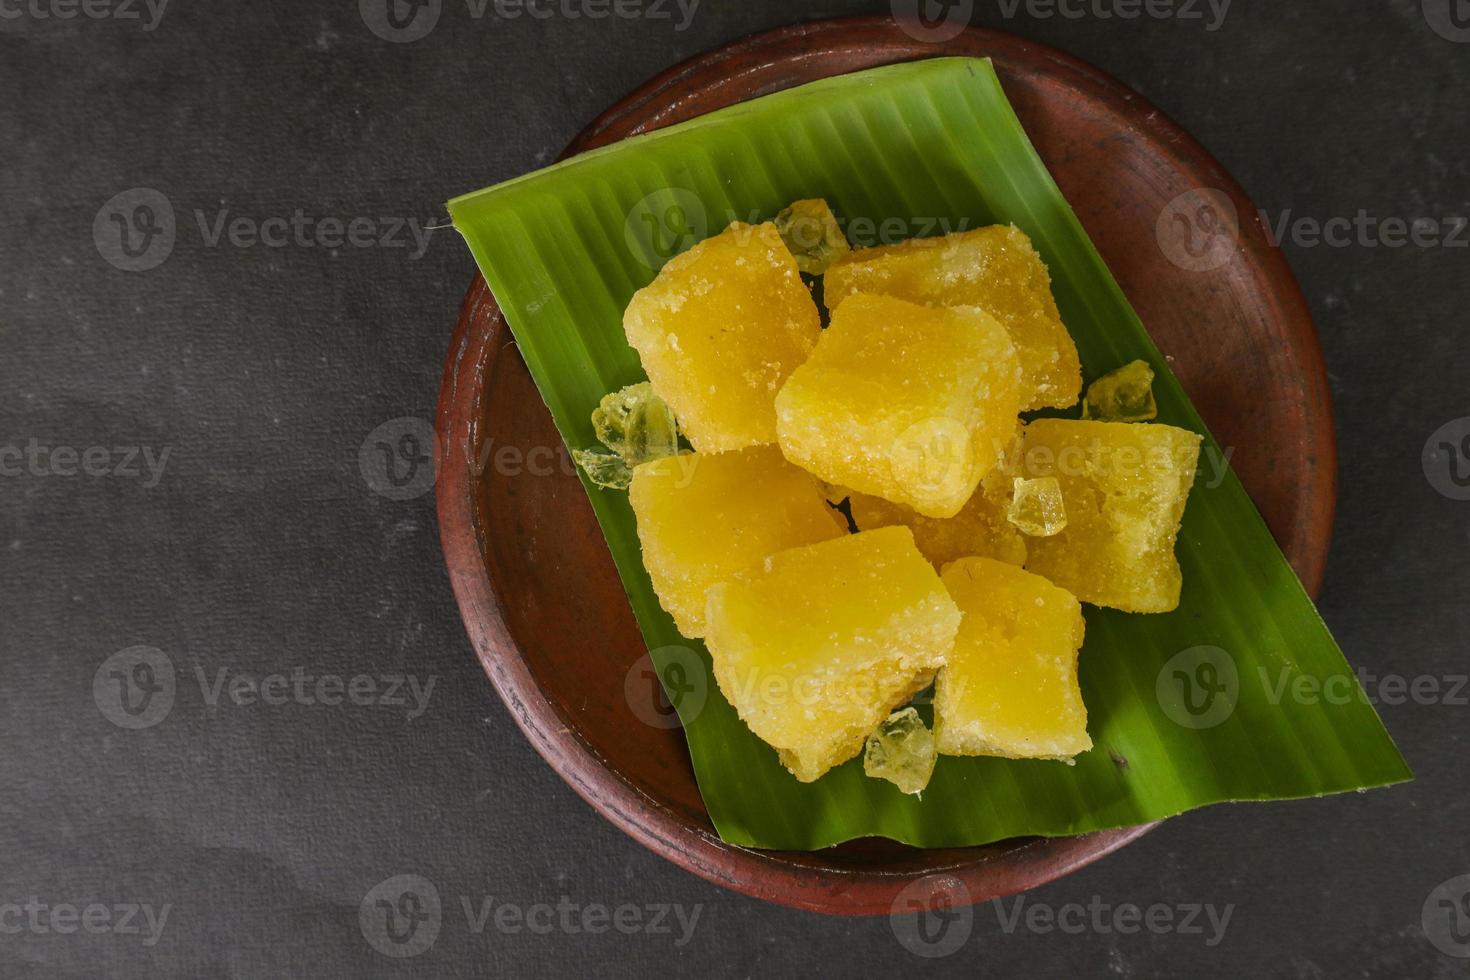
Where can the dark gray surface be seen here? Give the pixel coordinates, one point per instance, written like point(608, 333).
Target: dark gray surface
point(262, 548)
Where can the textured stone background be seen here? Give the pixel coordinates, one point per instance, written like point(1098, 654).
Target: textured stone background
point(260, 548)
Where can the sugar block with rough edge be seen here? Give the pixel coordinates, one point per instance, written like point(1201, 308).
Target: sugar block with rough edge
point(994, 268)
point(902, 752)
point(1124, 486)
point(818, 645)
point(910, 403)
point(1010, 686)
point(702, 517)
point(720, 329)
point(980, 528)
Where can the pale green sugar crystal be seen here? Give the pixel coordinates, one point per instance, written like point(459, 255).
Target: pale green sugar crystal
point(902, 752)
point(604, 469)
point(637, 425)
point(810, 231)
point(1124, 395)
point(1036, 507)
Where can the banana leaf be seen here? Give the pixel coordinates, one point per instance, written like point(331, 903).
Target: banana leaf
point(1186, 709)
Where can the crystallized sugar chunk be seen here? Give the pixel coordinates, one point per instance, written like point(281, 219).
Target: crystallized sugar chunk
point(702, 517)
point(994, 268)
point(812, 233)
point(902, 752)
point(1036, 506)
point(980, 528)
point(910, 403)
point(1124, 486)
point(1124, 395)
point(720, 329)
point(1010, 685)
point(816, 646)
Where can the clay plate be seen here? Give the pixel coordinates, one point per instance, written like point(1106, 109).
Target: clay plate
point(537, 587)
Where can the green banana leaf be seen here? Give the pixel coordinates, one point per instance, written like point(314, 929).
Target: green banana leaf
point(1186, 709)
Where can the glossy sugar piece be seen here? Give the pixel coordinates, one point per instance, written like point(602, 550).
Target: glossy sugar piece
point(718, 332)
point(993, 268)
point(980, 528)
point(812, 235)
point(1124, 395)
point(815, 647)
point(902, 752)
point(605, 469)
point(1036, 507)
point(910, 403)
point(636, 424)
point(1010, 687)
point(702, 517)
point(1124, 486)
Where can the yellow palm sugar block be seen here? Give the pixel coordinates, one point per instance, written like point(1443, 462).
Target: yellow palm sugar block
point(980, 528)
point(910, 403)
point(1010, 686)
point(1124, 486)
point(702, 517)
point(720, 329)
point(815, 647)
point(995, 268)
